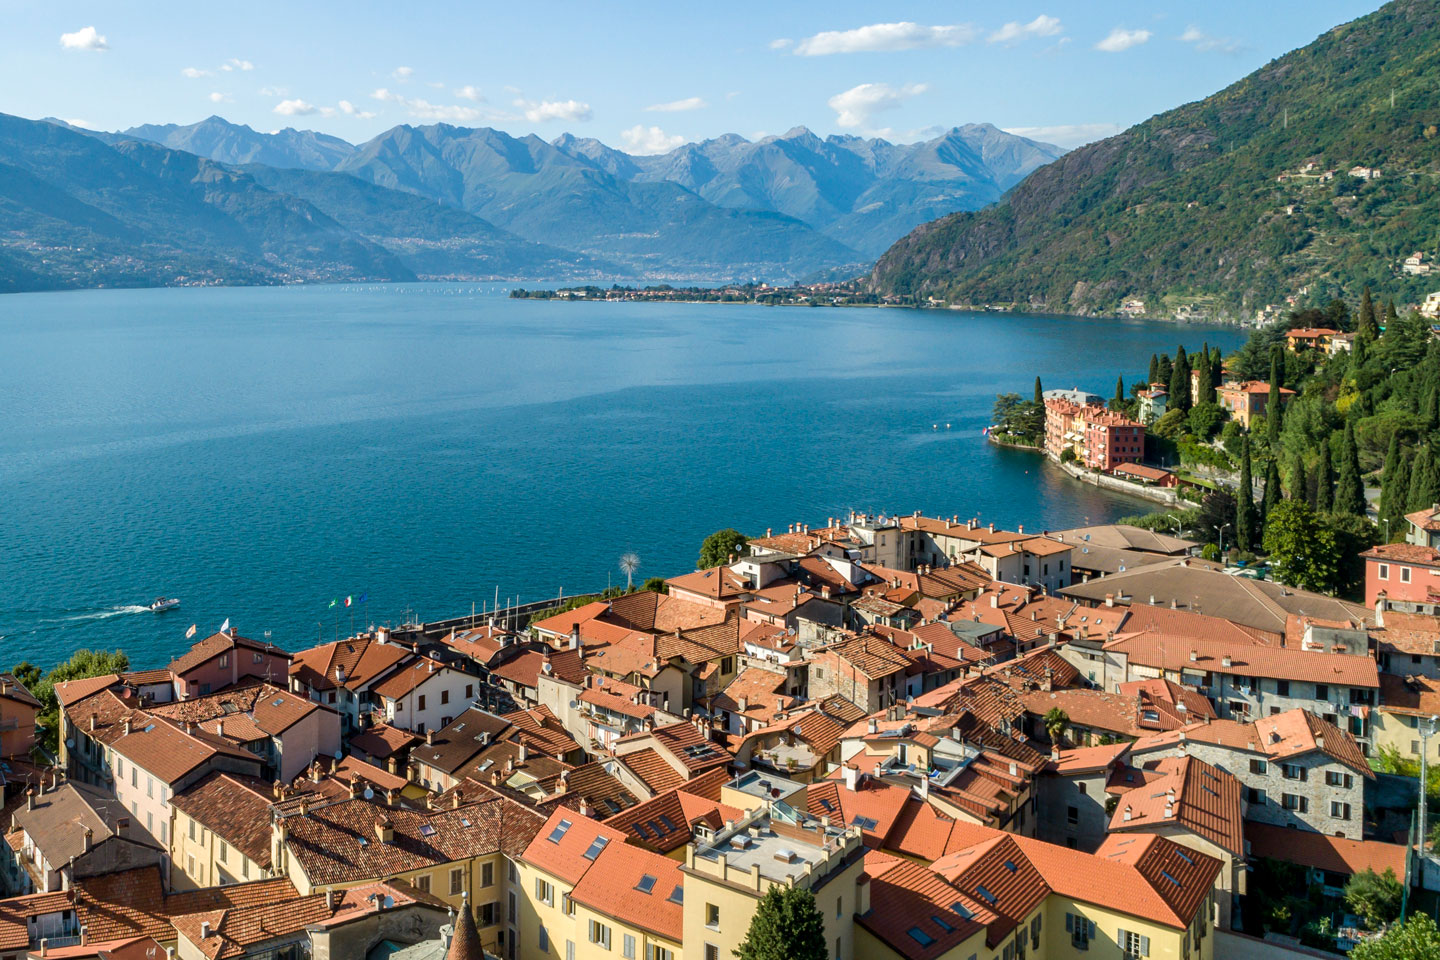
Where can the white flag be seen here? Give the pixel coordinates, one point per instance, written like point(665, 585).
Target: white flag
point(191, 632)
point(225, 626)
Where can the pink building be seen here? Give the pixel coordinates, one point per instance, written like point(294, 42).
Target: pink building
point(1406, 575)
point(223, 660)
point(17, 718)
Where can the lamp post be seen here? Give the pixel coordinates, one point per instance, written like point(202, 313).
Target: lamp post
point(1221, 530)
point(1426, 726)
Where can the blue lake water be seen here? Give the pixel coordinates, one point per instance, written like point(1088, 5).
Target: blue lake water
point(258, 452)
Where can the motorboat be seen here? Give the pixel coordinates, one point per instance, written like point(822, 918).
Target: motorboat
point(161, 604)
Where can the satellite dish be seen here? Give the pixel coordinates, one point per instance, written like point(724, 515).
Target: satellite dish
point(369, 794)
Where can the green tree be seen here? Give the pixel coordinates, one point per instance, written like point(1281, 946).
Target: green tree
point(1394, 487)
point(1154, 370)
point(655, 585)
point(81, 665)
point(1350, 490)
point(1272, 487)
point(1245, 502)
point(27, 673)
point(1039, 392)
point(1374, 896)
point(1205, 379)
point(1295, 474)
point(1324, 480)
point(786, 925)
point(1415, 938)
point(1367, 326)
point(1216, 512)
point(1119, 393)
point(1205, 419)
point(1180, 382)
point(1274, 411)
point(720, 546)
point(1164, 370)
point(1171, 424)
point(1301, 548)
point(1056, 720)
point(1424, 480)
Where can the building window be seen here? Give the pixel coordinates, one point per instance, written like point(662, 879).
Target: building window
point(224, 660)
point(1404, 574)
point(1258, 767)
point(600, 934)
point(1072, 815)
point(543, 939)
point(1081, 931)
point(1295, 802)
point(469, 691)
point(1340, 811)
point(1133, 944)
point(1293, 771)
point(712, 952)
point(1282, 688)
point(423, 883)
point(457, 881)
point(627, 949)
point(444, 697)
point(192, 829)
point(421, 702)
point(488, 917)
point(1085, 787)
point(656, 952)
point(712, 916)
point(1334, 778)
point(224, 851)
point(487, 874)
point(569, 950)
point(544, 892)
point(1254, 797)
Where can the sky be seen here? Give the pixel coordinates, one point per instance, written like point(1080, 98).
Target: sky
point(647, 76)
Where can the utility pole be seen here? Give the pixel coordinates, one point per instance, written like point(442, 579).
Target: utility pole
point(1427, 730)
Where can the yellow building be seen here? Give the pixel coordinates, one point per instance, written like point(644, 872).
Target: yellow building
point(1404, 703)
point(220, 833)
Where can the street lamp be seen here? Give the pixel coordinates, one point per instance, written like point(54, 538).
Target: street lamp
point(1179, 527)
point(1221, 530)
point(1426, 726)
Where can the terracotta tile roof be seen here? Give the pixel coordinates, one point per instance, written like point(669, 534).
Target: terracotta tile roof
point(840, 708)
point(1253, 660)
point(160, 746)
point(873, 805)
point(1427, 519)
point(1199, 797)
point(350, 768)
point(613, 697)
point(1312, 849)
point(465, 939)
point(272, 709)
point(871, 655)
point(234, 808)
point(652, 770)
point(73, 691)
point(129, 903)
point(816, 728)
point(636, 887)
point(1289, 734)
point(759, 689)
point(409, 676)
point(360, 659)
point(718, 583)
point(1412, 633)
point(1087, 759)
point(381, 740)
point(1177, 704)
point(454, 745)
point(338, 843)
point(663, 823)
point(1187, 624)
point(1410, 695)
point(1125, 537)
point(687, 744)
point(525, 669)
point(203, 651)
point(542, 730)
point(605, 793)
point(563, 623)
point(479, 643)
point(906, 896)
point(657, 613)
point(234, 932)
point(996, 874)
point(560, 845)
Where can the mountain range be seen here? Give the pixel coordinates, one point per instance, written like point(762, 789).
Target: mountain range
point(441, 201)
point(1314, 175)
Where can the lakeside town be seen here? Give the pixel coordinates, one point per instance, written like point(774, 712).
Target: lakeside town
point(951, 739)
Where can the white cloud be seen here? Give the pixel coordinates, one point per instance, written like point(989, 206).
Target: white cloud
point(678, 106)
point(350, 110)
point(218, 97)
point(274, 92)
point(194, 73)
point(1068, 135)
point(469, 92)
point(436, 84)
point(295, 108)
point(403, 73)
point(547, 110)
point(856, 106)
point(1206, 43)
point(1041, 26)
point(77, 122)
point(886, 37)
point(650, 140)
point(236, 64)
point(86, 38)
point(1122, 39)
point(780, 43)
point(422, 109)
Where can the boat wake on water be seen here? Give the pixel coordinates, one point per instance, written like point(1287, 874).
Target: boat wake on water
point(104, 614)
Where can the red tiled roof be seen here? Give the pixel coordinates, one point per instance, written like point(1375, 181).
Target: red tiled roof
point(905, 896)
point(613, 889)
point(1312, 849)
point(1253, 660)
point(1199, 797)
point(203, 651)
point(560, 845)
point(652, 770)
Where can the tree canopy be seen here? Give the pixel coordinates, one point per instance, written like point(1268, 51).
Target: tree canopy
point(786, 926)
point(1415, 939)
point(1374, 896)
point(719, 546)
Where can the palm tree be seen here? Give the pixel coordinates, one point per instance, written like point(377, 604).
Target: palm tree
point(629, 563)
point(1055, 723)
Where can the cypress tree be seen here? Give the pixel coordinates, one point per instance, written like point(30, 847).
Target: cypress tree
point(1312, 483)
point(1180, 382)
point(1424, 480)
point(1392, 327)
point(1162, 375)
point(1277, 364)
point(1324, 479)
point(1154, 369)
point(1431, 418)
point(1360, 354)
point(1367, 326)
point(1350, 490)
point(1205, 381)
point(1119, 391)
point(1394, 486)
point(1295, 476)
point(1039, 393)
point(1272, 488)
point(1245, 501)
point(1273, 410)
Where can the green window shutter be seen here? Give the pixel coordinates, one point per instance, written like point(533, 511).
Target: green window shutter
point(1069, 923)
point(1144, 946)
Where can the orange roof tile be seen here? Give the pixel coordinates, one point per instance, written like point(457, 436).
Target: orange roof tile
point(560, 846)
point(1312, 849)
point(1189, 793)
point(636, 887)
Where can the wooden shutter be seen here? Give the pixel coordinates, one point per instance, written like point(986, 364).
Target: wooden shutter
point(1144, 946)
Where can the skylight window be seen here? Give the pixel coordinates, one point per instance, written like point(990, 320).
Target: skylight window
point(427, 830)
point(942, 925)
point(920, 936)
point(1010, 865)
point(595, 847)
point(963, 911)
point(640, 830)
point(985, 895)
point(677, 895)
point(1184, 856)
point(464, 822)
point(1166, 875)
point(659, 832)
point(864, 823)
point(666, 821)
point(646, 884)
point(559, 831)
point(827, 805)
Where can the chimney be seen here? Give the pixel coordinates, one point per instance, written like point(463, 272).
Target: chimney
point(873, 727)
point(1109, 599)
point(524, 751)
point(315, 772)
point(1225, 661)
point(994, 601)
point(385, 830)
point(278, 790)
point(92, 723)
point(219, 728)
point(354, 785)
point(575, 636)
point(584, 807)
point(339, 674)
point(1055, 752)
point(393, 765)
point(1127, 813)
point(456, 798)
point(204, 929)
point(852, 777)
point(334, 899)
point(126, 726)
point(1194, 655)
point(89, 839)
point(30, 799)
point(1320, 742)
point(430, 738)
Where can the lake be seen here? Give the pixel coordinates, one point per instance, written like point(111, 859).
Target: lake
point(259, 452)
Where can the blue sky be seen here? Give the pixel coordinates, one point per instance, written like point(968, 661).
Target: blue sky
point(645, 77)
